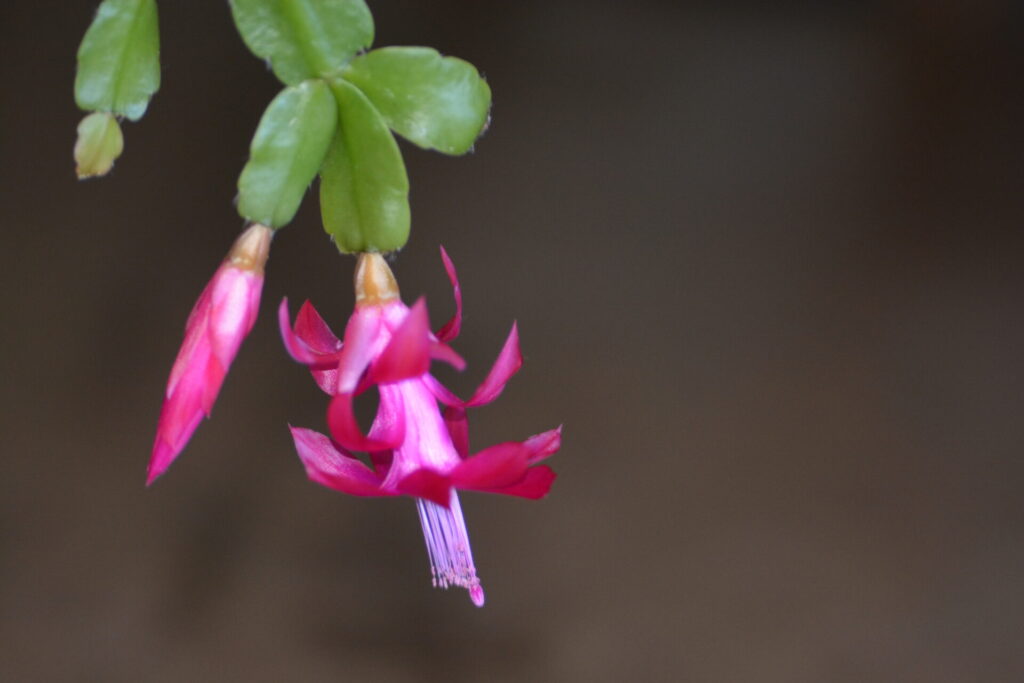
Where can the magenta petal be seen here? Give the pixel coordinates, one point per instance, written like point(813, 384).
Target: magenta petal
point(297, 346)
point(363, 329)
point(494, 467)
point(441, 392)
point(534, 485)
point(162, 457)
point(214, 378)
point(446, 354)
point(179, 419)
point(408, 352)
point(196, 343)
point(326, 465)
point(508, 363)
point(312, 329)
point(451, 329)
point(195, 391)
point(458, 429)
point(234, 304)
point(428, 484)
point(327, 380)
point(543, 445)
point(389, 423)
point(346, 431)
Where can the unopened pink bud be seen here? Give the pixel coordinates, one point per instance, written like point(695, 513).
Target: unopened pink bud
point(220, 320)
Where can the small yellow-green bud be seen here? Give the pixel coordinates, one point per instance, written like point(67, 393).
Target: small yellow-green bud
point(99, 143)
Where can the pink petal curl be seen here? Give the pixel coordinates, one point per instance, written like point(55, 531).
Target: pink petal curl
point(450, 330)
point(362, 331)
point(346, 431)
point(446, 354)
point(543, 445)
point(505, 464)
point(507, 364)
point(327, 465)
point(498, 466)
point(535, 485)
point(408, 352)
point(307, 348)
point(312, 329)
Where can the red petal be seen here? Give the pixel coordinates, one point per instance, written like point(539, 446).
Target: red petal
point(382, 461)
point(326, 465)
point(234, 305)
point(508, 363)
point(534, 485)
point(441, 392)
point(346, 431)
point(494, 467)
point(327, 380)
point(408, 352)
point(451, 329)
point(312, 329)
point(297, 345)
point(360, 333)
point(428, 484)
point(213, 377)
point(179, 418)
point(389, 423)
point(458, 429)
point(446, 354)
point(543, 445)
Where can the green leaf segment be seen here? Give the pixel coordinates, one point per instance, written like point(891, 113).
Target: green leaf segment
point(118, 72)
point(119, 59)
point(286, 152)
point(364, 192)
point(336, 117)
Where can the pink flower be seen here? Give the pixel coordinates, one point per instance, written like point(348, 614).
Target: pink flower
point(415, 451)
point(220, 320)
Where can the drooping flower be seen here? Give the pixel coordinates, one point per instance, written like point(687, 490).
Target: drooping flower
point(414, 450)
point(219, 321)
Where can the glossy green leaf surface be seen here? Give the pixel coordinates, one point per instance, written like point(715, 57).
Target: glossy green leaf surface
point(287, 150)
point(119, 59)
point(304, 39)
point(364, 191)
point(435, 102)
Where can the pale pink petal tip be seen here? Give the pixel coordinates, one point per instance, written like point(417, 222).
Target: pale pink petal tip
point(509, 360)
point(476, 594)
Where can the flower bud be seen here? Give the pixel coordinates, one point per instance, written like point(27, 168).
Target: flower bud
point(99, 144)
point(219, 322)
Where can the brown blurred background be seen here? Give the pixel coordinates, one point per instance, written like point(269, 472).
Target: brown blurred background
point(766, 262)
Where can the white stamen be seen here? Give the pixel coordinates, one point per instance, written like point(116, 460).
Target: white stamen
point(451, 560)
